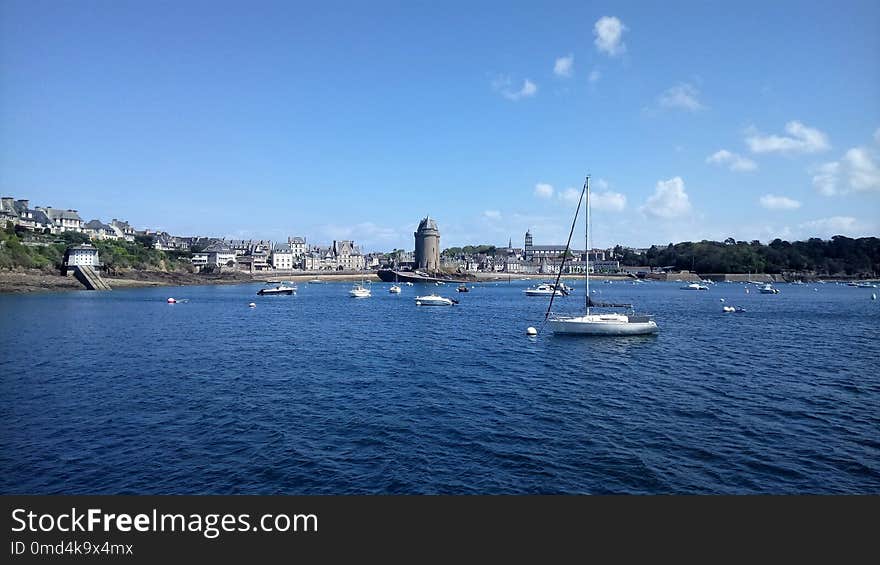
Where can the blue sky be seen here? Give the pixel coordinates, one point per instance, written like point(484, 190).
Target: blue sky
point(355, 119)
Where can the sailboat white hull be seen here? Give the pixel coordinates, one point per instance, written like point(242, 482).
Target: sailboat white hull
point(603, 324)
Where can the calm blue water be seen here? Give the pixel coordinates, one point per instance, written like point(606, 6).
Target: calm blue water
point(121, 393)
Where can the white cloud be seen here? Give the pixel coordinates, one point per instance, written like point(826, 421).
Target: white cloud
point(835, 225)
point(492, 214)
point(825, 178)
point(570, 195)
point(608, 200)
point(683, 96)
point(609, 32)
point(595, 75)
point(800, 139)
point(733, 161)
point(668, 201)
point(857, 171)
point(543, 190)
point(772, 202)
point(504, 85)
point(861, 169)
point(564, 66)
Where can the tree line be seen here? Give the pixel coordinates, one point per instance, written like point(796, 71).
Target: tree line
point(838, 256)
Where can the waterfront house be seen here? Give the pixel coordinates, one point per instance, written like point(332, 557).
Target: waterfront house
point(85, 255)
point(63, 220)
point(122, 229)
point(96, 229)
point(297, 247)
point(199, 260)
point(343, 255)
point(220, 255)
point(283, 257)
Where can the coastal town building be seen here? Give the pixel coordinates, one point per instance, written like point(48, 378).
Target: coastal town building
point(199, 260)
point(343, 255)
point(283, 257)
point(220, 255)
point(63, 220)
point(298, 247)
point(122, 229)
point(96, 229)
point(85, 255)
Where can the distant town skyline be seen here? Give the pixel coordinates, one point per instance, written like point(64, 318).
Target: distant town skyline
point(353, 122)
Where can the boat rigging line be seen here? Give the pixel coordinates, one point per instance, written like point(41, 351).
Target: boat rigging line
point(567, 246)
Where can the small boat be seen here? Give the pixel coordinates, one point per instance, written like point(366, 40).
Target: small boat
point(732, 309)
point(768, 289)
point(694, 286)
point(546, 289)
point(360, 291)
point(434, 300)
point(316, 281)
point(463, 288)
point(409, 283)
point(862, 285)
point(395, 288)
point(280, 289)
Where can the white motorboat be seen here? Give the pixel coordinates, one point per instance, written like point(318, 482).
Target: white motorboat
point(434, 300)
point(608, 324)
point(280, 289)
point(768, 289)
point(694, 286)
point(545, 289)
point(316, 281)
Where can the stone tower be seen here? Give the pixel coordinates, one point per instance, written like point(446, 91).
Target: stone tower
point(427, 256)
point(527, 248)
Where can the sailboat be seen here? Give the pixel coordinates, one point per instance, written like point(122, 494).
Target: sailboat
point(395, 288)
point(360, 291)
point(610, 323)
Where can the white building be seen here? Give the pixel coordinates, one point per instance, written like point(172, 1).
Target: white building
point(220, 256)
point(63, 220)
point(283, 257)
point(199, 260)
point(297, 247)
point(85, 255)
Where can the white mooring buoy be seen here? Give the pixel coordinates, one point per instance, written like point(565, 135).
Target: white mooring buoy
point(531, 331)
point(252, 305)
point(171, 301)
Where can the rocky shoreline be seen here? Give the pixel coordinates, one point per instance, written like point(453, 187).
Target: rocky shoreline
point(21, 281)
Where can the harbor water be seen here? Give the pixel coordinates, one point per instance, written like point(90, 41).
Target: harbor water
point(318, 393)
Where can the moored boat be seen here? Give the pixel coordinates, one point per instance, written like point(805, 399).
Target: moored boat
point(434, 300)
point(597, 324)
point(768, 289)
point(280, 289)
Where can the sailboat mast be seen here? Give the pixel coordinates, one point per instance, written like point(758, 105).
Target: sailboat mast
point(587, 250)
